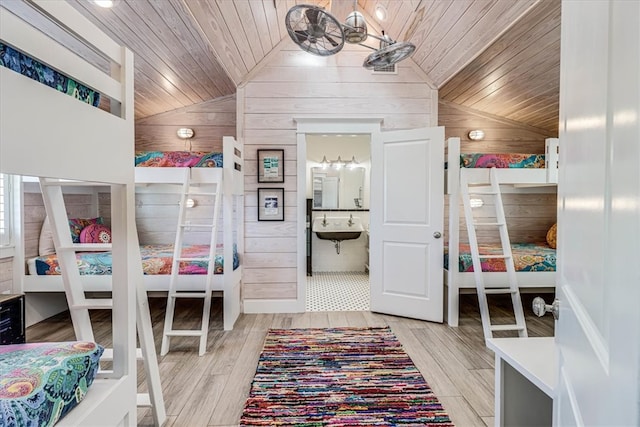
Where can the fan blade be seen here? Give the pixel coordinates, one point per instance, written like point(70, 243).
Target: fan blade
point(312, 15)
point(302, 36)
point(332, 41)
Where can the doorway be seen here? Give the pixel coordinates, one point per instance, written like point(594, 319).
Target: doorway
point(337, 193)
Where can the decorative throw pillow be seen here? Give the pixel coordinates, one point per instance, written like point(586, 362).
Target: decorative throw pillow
point(95, 233)
point(77, 224)
point(45, 244)
point(552, 235)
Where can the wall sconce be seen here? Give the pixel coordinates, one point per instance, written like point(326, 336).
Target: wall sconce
point(339, 164)
point(476, 203)
point(191, 203)
point(476, 135)
point(185, 133)
point(325, 163)
point(353, 163)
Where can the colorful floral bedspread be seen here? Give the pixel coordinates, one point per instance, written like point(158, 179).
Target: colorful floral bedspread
point(509, 160)
point(29, 67)
point(156, 259)
point(41, 382)
point(526, 257)
point(178, 159)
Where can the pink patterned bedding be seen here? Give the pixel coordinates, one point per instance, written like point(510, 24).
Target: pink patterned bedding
point(509, 160)
point(174, 159)
point(526, 257)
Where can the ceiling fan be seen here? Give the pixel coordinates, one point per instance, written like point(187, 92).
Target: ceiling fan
point(318, 32)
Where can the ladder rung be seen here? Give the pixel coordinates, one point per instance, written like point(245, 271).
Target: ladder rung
point(94, 304)
point(143, 400)
point(197, 225)
point(189, 295)
point(496, 224)
point(484, 192)
point(184, 333)
point(201, 193)
point(507, 328)
point(107, 355)
point(500, 291)
point(494, 256)
point(67, 183)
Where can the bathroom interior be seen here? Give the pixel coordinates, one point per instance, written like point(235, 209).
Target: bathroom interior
point(337, 181)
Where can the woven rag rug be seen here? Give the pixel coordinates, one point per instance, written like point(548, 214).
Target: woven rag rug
point(339, 377)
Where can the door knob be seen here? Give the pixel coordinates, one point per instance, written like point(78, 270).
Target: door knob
point(437, 235)
point(540, 308)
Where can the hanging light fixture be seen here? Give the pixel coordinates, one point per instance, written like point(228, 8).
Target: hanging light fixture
point(318, 32)
point(324, 163)
point(353, 163)
point(338, 164)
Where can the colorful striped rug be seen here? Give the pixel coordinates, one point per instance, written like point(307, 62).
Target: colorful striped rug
point(339, 377)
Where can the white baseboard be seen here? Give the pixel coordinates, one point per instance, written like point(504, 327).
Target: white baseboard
point(273, 306)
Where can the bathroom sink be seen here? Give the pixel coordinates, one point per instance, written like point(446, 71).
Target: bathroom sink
point(337, 228)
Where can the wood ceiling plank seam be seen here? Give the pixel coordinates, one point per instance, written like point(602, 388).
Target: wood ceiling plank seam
point(452, 40)
point(446, 25)
point(409, 28)
point(341, 90)
point(537, 108)
point(212, 106)
point(259, 17)
point(249, 27)
point(518, 35)
point(235, 29)
point(467, 45)
point(312, 105)
point(142, 66)
point(272, 22)
point(489, 116)
point(517, 77)
point(212, 61)
point(281, 13)
point(180, 23)
point(394, 29)
point(547, 82)
point(429, 21)
point(344, 75)
point(161, 40)
point(207, 20)
point(506, 63)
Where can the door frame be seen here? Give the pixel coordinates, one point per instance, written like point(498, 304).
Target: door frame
point(318, 125)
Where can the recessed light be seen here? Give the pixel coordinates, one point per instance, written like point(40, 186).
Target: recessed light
point(104, 3)
point(381, 12)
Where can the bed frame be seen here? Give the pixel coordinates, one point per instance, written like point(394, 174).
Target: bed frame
point(32, 122)
point(457, 281)
point(171, 179)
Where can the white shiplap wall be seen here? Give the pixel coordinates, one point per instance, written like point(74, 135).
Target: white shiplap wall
point(295, 83)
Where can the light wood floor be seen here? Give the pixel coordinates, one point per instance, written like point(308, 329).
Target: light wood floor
point(211, 390)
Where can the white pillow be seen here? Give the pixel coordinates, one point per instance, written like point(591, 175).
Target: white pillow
point(45, 245)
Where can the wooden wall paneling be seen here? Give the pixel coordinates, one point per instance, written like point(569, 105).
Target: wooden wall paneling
point(251, 31)
point(262, 26)
point(259, 290)
point(6, 275)
point(236, 29)
point(276, 31)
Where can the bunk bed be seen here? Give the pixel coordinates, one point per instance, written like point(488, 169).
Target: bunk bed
point(166, 171)
point(33, 121)
point(517, 171)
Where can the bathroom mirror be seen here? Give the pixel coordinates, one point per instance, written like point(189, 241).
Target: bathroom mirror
point(338, 188)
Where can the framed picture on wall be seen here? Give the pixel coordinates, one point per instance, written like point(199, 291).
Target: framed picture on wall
point(271, 165)
point(270, 204)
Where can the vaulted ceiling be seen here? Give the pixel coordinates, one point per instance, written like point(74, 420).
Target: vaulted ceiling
point(493, 55)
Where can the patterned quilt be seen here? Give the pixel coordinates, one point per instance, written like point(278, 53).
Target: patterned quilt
point(526, 257)
point(178, 159)
point(29, 67)
point(510, 160)
point(156, 259)
point(41, 382)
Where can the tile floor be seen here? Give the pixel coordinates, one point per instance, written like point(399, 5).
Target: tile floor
point(338, 291)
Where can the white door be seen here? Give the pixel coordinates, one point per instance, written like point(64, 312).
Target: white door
point(406, 244)
point(598, 331)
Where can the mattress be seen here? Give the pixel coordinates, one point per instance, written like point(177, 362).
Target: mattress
point(526, 257)
point(29, 67)
point(41, 382)
point(173, 159)
point(509, 160)
point(156, 259)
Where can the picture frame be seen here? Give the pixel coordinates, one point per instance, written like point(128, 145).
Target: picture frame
point(271, 165)
point(270, 204)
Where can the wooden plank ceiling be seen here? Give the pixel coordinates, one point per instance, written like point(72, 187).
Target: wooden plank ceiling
point(190, 51)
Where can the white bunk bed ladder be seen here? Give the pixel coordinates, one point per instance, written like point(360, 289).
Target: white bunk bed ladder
point(79, 305)
point(188, 190)
point(491, 189)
